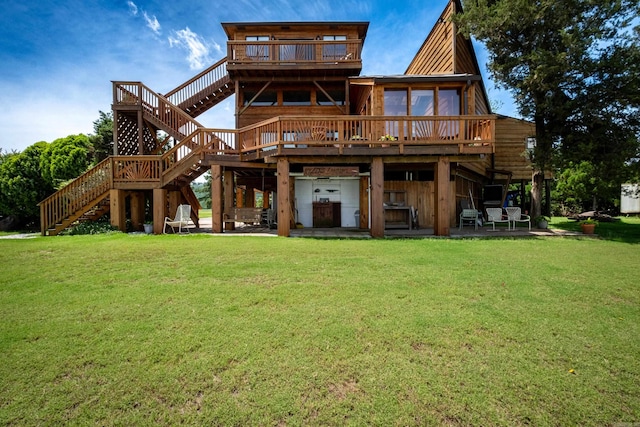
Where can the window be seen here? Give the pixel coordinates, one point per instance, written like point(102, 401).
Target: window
point(296, 97)
point(334, 51)
point(395, 104)
point(449, 102)
point(257, 52)
point(266, 98)
point(422, 102)
point(337, 95)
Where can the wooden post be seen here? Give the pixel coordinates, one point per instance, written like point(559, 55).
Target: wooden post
point(284, 202)
point(442, 197)
point(265, 199)
point(159, 209)
point(250, 198)
point(137, 209)
point(118, 216)
point(217, 198)
point(377, 197)
point(174, 201)
point(228, 197)
point(363, 221)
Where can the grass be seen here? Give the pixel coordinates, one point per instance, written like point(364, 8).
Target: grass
point(625, 229)
point(162, 330)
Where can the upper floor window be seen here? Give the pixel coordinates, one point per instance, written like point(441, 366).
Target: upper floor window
point(337, 95)
point(266, 99)
point(422, 102)
point(257, 52)
point(296, 97)
point(395, 102)
point(449, 102)
point(334, 51)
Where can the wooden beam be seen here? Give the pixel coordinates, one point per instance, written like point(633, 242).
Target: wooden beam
point(118, 215)
point(266, 85)
point(137, 209)
point(216, 198)
point(442, 197)
point(377, 197)
point(363, 221)
point(228, 196)
point(284, 202)
point(159, 209)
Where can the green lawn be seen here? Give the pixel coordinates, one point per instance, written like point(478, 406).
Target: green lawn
point(219, 330)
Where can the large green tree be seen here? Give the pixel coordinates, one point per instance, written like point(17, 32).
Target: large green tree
point(544, 52)
point(22, 185)
point(102, 138)
point(65, 159)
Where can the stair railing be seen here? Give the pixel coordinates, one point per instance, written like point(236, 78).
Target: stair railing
point(190, 92)
point(80, 192)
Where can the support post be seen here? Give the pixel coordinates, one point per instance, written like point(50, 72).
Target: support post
point(217, 198)
point(377, 197)
point(228, 197)
point(284, 202)
point(137, 209)
point(442, 197)
point(363, 221)
point(118, 216)
point(159, 209)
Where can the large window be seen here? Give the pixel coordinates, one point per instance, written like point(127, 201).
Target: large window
point(334, 52)
point(395, 102)
point(257, 52)
point(422, 102)
point(449, 102)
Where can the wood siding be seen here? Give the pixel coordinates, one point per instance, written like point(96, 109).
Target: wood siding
point(435, 56)
point(510, 146)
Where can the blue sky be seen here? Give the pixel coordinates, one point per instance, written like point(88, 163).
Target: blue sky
point(59, 58)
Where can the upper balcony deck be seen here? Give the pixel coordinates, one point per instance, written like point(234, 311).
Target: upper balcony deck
point(294, 57)
point(286, 49)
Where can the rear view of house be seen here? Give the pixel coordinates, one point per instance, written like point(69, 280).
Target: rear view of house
point(324, 145)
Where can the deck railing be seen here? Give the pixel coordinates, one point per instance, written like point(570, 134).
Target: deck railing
point(471, 133)
point(191, 91)
point(294, 52)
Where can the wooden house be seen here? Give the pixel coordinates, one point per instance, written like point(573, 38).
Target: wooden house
point(324, 145)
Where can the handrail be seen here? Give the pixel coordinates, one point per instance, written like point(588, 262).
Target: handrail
point(188, 91)
point(155, 105)
point(294, 51)
point(75, 195)
point(370, 131)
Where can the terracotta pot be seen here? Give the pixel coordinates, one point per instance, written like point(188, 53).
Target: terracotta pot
point(588, 228)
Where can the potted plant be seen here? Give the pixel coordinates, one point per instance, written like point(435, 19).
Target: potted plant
point(588, 225)
point(542, 221)
point(148, 227)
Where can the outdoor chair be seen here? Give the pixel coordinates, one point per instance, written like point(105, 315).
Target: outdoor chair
point(514, 214)
point(494, 215)
point(415, 223)
point(181, 220)
point(469, 215)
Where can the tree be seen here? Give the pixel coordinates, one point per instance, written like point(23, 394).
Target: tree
point(65, 159)
point(543, 51)
point(22, 185)
point(102, 139)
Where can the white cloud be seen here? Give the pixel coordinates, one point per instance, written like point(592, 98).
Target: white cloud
point(197, 48)
point(133, 8)
point(152, 23)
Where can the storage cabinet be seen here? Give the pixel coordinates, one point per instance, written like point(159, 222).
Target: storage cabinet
point(326, 214)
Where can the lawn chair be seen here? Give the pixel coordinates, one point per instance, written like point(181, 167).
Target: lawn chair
point(469, 215)
point(494, 215)
point(181, 220)
point(514, 214)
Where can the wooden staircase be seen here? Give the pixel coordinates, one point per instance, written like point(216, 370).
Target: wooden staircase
point(87, 197)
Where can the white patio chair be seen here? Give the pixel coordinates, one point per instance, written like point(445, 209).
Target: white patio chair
point(494, 215)
point(469, 215)
point(181, 220)
point(515, 215)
